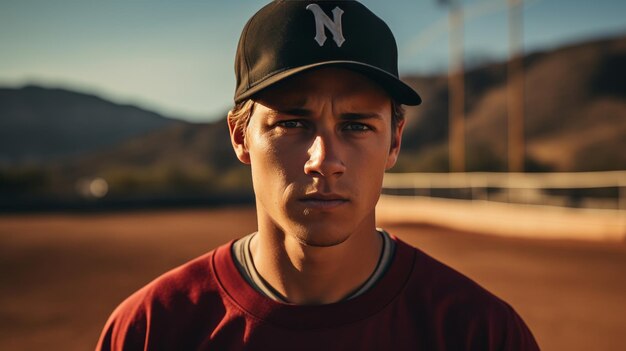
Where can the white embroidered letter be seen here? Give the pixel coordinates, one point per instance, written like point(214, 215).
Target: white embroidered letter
point(322, 21)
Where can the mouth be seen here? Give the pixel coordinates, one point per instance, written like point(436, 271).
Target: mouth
point(323, 201)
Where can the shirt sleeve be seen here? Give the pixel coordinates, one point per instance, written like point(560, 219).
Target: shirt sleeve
point(126, 328)
point(518, 336)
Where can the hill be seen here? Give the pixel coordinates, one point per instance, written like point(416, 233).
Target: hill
point(186, 158)
point(575, 121)
point(575, 113)
point(38, 124)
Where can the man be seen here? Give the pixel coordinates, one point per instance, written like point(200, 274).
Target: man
point(318, 118)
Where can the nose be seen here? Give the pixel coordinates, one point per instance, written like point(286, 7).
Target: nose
point(324, 159)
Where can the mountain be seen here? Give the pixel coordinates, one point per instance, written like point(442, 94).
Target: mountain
point(192, 157)
point(575, 111)
point(39, 124)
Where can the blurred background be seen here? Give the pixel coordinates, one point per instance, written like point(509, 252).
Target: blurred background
point(115, 162)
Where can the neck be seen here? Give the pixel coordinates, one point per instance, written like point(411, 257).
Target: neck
point(310, 275)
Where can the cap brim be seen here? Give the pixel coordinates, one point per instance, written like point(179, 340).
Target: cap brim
point(398, 90)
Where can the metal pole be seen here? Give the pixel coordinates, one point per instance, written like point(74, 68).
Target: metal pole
point(515, 89)
point(456, 100)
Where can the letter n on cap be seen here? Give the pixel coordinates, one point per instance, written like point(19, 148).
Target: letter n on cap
point(323, 21)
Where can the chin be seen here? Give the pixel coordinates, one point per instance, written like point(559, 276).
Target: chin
point(321, 236)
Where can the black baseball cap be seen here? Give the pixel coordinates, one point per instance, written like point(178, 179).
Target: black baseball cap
point(287, 37)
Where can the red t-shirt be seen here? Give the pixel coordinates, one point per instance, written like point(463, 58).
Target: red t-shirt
point(419, 304)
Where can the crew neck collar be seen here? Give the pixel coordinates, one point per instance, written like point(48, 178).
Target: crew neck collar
point(239, 291)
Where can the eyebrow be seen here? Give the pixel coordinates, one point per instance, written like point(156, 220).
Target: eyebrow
point(296, 111)
point(360, 116)
point(303, 112)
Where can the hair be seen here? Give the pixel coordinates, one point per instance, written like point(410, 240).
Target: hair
point(239, 116)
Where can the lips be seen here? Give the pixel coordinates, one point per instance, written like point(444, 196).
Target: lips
point(323, 201)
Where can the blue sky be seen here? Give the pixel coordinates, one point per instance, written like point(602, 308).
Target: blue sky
point(176, 57)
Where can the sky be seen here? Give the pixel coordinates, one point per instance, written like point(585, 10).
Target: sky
point(176, 57)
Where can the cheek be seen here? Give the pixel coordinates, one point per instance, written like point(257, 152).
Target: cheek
point(371, 163)
point(274, 163)
point(375, 151)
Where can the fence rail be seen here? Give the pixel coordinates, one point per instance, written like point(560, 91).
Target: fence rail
point(512, 187)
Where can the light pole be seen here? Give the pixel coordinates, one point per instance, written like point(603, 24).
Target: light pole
point(515, 88)
point(456, 100)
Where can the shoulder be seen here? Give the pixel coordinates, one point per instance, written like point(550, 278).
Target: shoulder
point(173, 299)
point(458, 309)
point(436, 281)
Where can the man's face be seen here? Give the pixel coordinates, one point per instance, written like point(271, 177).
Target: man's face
point(318, 145)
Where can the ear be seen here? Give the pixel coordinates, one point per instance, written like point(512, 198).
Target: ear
point(238, 140)
point(396, 141)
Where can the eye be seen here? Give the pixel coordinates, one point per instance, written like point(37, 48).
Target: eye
point(290, 124)
point(357, 127)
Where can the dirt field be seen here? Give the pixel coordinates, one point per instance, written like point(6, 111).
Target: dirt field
point(61, 275)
